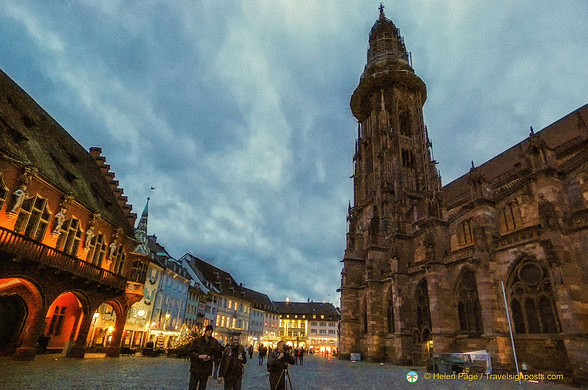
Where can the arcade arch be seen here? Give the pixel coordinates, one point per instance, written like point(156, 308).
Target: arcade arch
point(102, 326)
point(63, 321)
point(20, 315)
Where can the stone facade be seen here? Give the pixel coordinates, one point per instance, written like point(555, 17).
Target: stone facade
point(423, 263)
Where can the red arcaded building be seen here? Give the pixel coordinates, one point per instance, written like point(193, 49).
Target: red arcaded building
point(424, 262)
point(66, 235)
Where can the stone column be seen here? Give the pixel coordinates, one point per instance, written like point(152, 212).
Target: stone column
point(33, 329)
point(114, 349)
point(440, 300)
point(487, 298)
point(79, 348)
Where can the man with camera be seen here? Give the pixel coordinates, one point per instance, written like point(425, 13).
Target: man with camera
point(232, 362)
point(277, 365)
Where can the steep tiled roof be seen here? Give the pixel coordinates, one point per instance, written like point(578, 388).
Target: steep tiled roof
point(220, 279)
point(260, 301)
point(29, 134)
point(309, 308)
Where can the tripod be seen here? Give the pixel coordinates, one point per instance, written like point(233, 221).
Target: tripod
point(285, 374)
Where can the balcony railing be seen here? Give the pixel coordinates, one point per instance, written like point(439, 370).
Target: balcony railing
point(26, 249)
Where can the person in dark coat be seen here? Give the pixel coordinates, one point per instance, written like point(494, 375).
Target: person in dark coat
point(203, 350)
point(277, 364)
point(262, 353)
point(232, 362)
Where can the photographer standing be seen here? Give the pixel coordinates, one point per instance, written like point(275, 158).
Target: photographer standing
point(203, 350)
point(277, 365)
point(231, 366)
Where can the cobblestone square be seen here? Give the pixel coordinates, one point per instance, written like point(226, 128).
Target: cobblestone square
point(97, 372)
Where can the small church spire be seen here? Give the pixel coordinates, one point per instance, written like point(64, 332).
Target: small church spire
point(142, 226)
point(381, 8)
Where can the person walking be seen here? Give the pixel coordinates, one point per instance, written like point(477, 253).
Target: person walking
point(262, 352)
point(232, 362)
point(203, 350)
point(277, 365)
point(250, 351)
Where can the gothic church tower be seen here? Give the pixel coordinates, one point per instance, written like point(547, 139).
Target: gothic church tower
point(396, 208)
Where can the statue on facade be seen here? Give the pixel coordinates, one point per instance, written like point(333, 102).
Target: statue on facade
point(20, 195)
point(60, 216)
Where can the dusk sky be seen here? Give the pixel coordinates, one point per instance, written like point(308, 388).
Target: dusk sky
point(238, 112)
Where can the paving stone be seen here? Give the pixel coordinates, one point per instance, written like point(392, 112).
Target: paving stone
point(96, 372)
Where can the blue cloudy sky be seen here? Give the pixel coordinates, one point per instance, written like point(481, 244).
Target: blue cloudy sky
point(238, 112)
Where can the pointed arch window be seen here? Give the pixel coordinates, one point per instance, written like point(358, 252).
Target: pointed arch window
point(531, 300)
point(468, 307)
point(422, 309)
point(464, 232)
point(33, 218)
point(390, 313)
point(405, 124)
point(70, 236)
point(407, 158)
point(510, 217)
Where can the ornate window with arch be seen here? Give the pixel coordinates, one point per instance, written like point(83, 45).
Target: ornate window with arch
point(510, 217)
point(464, 232)
point(70, 236)
point(33, 218)
point(531, 300)
point(468, 306)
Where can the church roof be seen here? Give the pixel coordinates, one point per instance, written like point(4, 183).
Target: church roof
point(560, 134)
